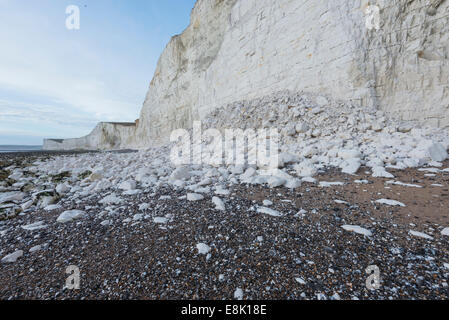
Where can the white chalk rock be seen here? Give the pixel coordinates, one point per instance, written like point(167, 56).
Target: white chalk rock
point(11, 258)
point(138, 217)
point(237, 170)
point(203, 248)
point(105, 223)
point(445, 232)
point(52, 207)
point(351, 166)
point(420, 235)
point(11, 196)
point(326, 184)
point(160, 220)
point(267, 203)
point(250, 172)
point(219, 204)
point(95, 176)
point(47, 201)
point(179, 183)
point(358, 230)
point(309, 180)
point(205, 182)
point(305, 169)
point(68, 216)
point(144, 206)
point(27, 205)
point(290, 130)
point(274, 182)
point(111, 199)
point(302, 127)
point(194, 197)
point(238, 294)
point(127, 185)
point(35, 249)
point(380, 172)
point(222, 192)
point(35, 226)
point(349, 154)
point(437, 152)
point(62, 188)
point(287, 158)
point(389, 202)
point(270, 212)
point(293, 183)
point(322, 101)
point(182, 173)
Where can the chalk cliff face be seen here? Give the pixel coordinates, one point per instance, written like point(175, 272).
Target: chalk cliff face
point(105, 136)
point(243, 49)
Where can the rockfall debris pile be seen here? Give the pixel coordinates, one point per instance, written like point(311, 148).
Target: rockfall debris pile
point(316, 133)
point(342, 198)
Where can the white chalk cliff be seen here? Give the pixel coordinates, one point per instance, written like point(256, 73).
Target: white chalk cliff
point(237, 50)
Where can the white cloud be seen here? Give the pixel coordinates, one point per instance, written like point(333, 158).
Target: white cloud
point(11, 111)
point(41, 58)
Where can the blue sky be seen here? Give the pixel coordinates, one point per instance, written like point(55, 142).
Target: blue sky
point(59, 83)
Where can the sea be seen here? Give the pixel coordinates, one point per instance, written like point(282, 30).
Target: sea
point(19, 148)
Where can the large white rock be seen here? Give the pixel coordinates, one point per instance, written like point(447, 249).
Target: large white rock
point(35, 226)
point(349, 154)
point(274, 182)
point(203, 248)
point(11, 258)
point(445, 232)
point(111, 199)
point(52, 207)
point(160, 220)
point(62, 188)
point(389, 202)
point(11, 196)
point(180, 174)
point(222, 191)
point(68, 216)
point(420, 235)
point(358, 229)
point(194, 197)
point(437, 152)
point(27, 205)
point(351, 166)
point(219, 204)
point(293, 183)
point(238, 294)
point(127, 185)
point(250, 172)
point(380, 172)
point(302, 127)
point(305, 169)
point(270, 212)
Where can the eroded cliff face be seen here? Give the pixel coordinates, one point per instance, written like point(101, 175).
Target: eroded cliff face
point(236, 50)
point(105, 136)
point(178, 84)
point(244, 49)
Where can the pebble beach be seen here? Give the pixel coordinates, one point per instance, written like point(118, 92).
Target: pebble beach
point(312, 242)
